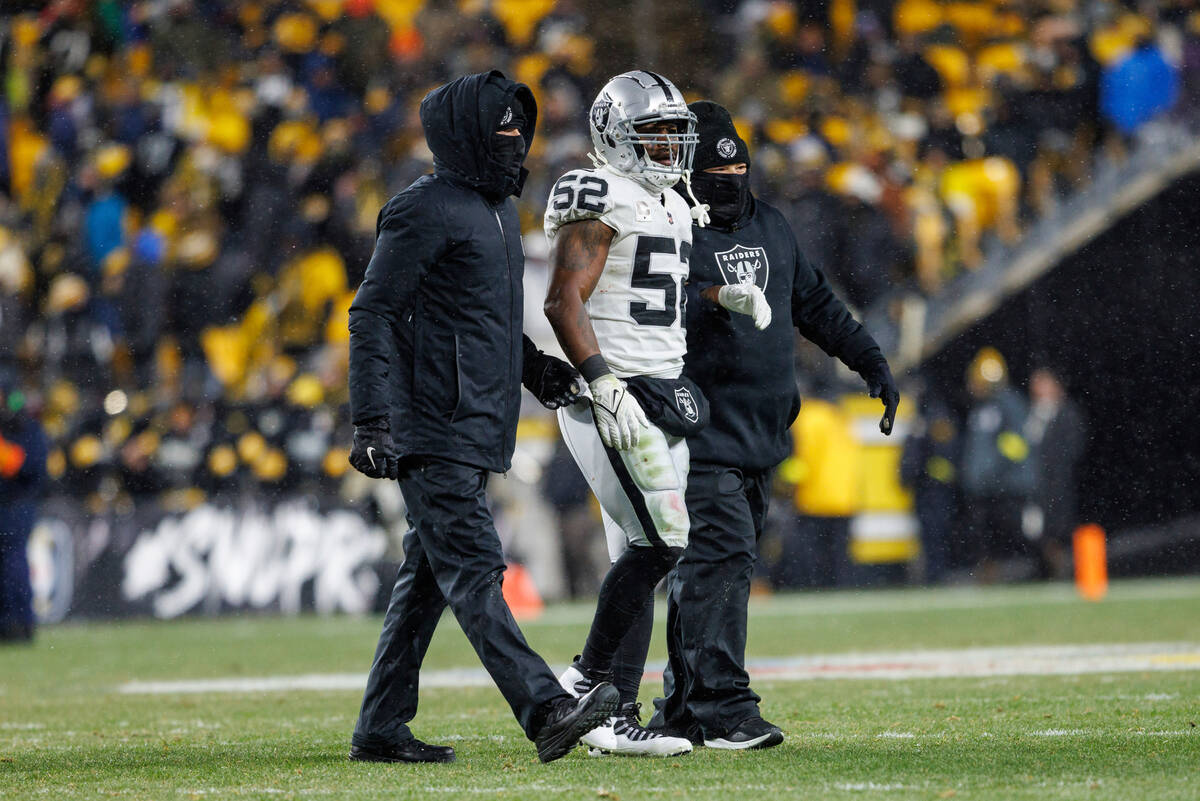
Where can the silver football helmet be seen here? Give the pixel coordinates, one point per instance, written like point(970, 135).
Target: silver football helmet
point(636, 98)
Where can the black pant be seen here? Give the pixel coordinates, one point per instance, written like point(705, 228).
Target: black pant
point(707, 596)
point(451, 556)
point(934, 507)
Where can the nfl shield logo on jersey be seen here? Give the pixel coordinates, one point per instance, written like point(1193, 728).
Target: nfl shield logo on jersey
point(744, 265)
point(686, 404)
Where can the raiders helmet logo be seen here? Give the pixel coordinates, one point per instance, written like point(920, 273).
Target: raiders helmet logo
point(686, 404)
point(507, 118)
point(726, 148)
point(600, 111)
point(744, 265)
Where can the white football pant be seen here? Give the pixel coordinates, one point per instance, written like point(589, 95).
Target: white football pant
point(641, 490)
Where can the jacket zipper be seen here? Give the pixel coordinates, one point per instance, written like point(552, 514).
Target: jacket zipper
point(508, 264)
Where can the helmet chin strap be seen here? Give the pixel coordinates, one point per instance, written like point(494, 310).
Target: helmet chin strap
point(699, 210)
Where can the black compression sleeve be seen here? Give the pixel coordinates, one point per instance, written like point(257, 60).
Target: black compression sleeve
point(630, 660)
point(626, 590)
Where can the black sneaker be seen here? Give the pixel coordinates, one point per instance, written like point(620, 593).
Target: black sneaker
point(570, 719)
point(750, 733)
point(412, 751)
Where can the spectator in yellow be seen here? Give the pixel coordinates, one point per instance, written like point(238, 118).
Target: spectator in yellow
point(826, 470)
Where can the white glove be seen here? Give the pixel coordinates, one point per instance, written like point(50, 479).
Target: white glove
point(746, 299)
point(619, 418)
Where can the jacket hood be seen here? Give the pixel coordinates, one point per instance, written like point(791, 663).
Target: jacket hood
point(460, 119)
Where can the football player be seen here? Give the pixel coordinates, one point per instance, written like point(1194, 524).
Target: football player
point(620, 247)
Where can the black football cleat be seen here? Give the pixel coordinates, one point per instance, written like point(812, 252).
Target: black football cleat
point(570, 719)
point(412, 751)
point(750, 733)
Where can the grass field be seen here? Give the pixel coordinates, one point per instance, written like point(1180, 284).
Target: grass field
point(75, 721)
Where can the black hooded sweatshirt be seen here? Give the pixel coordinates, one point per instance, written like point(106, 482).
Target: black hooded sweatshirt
point(435, 329)
point(749, 376)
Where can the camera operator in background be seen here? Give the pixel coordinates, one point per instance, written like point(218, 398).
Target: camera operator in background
point(23, 448)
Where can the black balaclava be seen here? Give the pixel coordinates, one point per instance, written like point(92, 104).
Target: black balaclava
point(726, 194)
point(460, 120)
point(509, 151)
point(506, 154)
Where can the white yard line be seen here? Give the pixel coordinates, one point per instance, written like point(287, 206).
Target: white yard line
point(923, 600)
point(1041, 660)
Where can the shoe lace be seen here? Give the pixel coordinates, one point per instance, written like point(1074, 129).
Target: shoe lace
point(628, 722)
point(560, 708)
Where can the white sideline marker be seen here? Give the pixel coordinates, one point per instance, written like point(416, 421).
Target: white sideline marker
point(1037, 660)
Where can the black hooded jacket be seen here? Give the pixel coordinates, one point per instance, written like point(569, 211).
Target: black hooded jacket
point(435, 329)
point(749, 376)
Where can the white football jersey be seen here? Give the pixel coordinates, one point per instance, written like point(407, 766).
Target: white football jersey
point(637, 307)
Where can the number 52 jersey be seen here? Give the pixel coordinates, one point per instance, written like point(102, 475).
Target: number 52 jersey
point(638, 306)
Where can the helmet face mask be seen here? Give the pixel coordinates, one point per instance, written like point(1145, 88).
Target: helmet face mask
point(639, 99)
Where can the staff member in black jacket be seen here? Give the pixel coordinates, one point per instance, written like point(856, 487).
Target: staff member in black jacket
point(749, 378)
point(437, 360)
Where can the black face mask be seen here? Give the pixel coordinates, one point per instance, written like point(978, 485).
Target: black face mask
point(509, 153)
point(727, 195)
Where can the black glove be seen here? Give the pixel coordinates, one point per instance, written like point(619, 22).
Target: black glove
point(881, 385)
point(374, 453)
point(551, 380)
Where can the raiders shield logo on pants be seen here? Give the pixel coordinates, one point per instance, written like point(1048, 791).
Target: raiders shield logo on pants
point(641, 490)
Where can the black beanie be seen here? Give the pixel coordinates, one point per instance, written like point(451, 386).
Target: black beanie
point(719, 141)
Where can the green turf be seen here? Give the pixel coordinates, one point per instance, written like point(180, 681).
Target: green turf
point(66, 733)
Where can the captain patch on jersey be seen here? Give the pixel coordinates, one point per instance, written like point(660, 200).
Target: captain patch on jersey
point(637, 307)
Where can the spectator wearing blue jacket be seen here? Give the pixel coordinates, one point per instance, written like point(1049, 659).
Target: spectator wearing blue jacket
point(1138, 88)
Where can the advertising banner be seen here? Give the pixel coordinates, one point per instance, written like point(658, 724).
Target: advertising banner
point(288, 557)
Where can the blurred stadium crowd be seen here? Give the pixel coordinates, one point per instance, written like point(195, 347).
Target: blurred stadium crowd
point(188, 188)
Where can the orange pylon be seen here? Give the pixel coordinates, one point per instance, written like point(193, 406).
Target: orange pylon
point(1091, 565)
point(520, 593)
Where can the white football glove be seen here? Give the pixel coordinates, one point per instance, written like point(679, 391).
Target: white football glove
point(619, 418)
point(746, 299)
